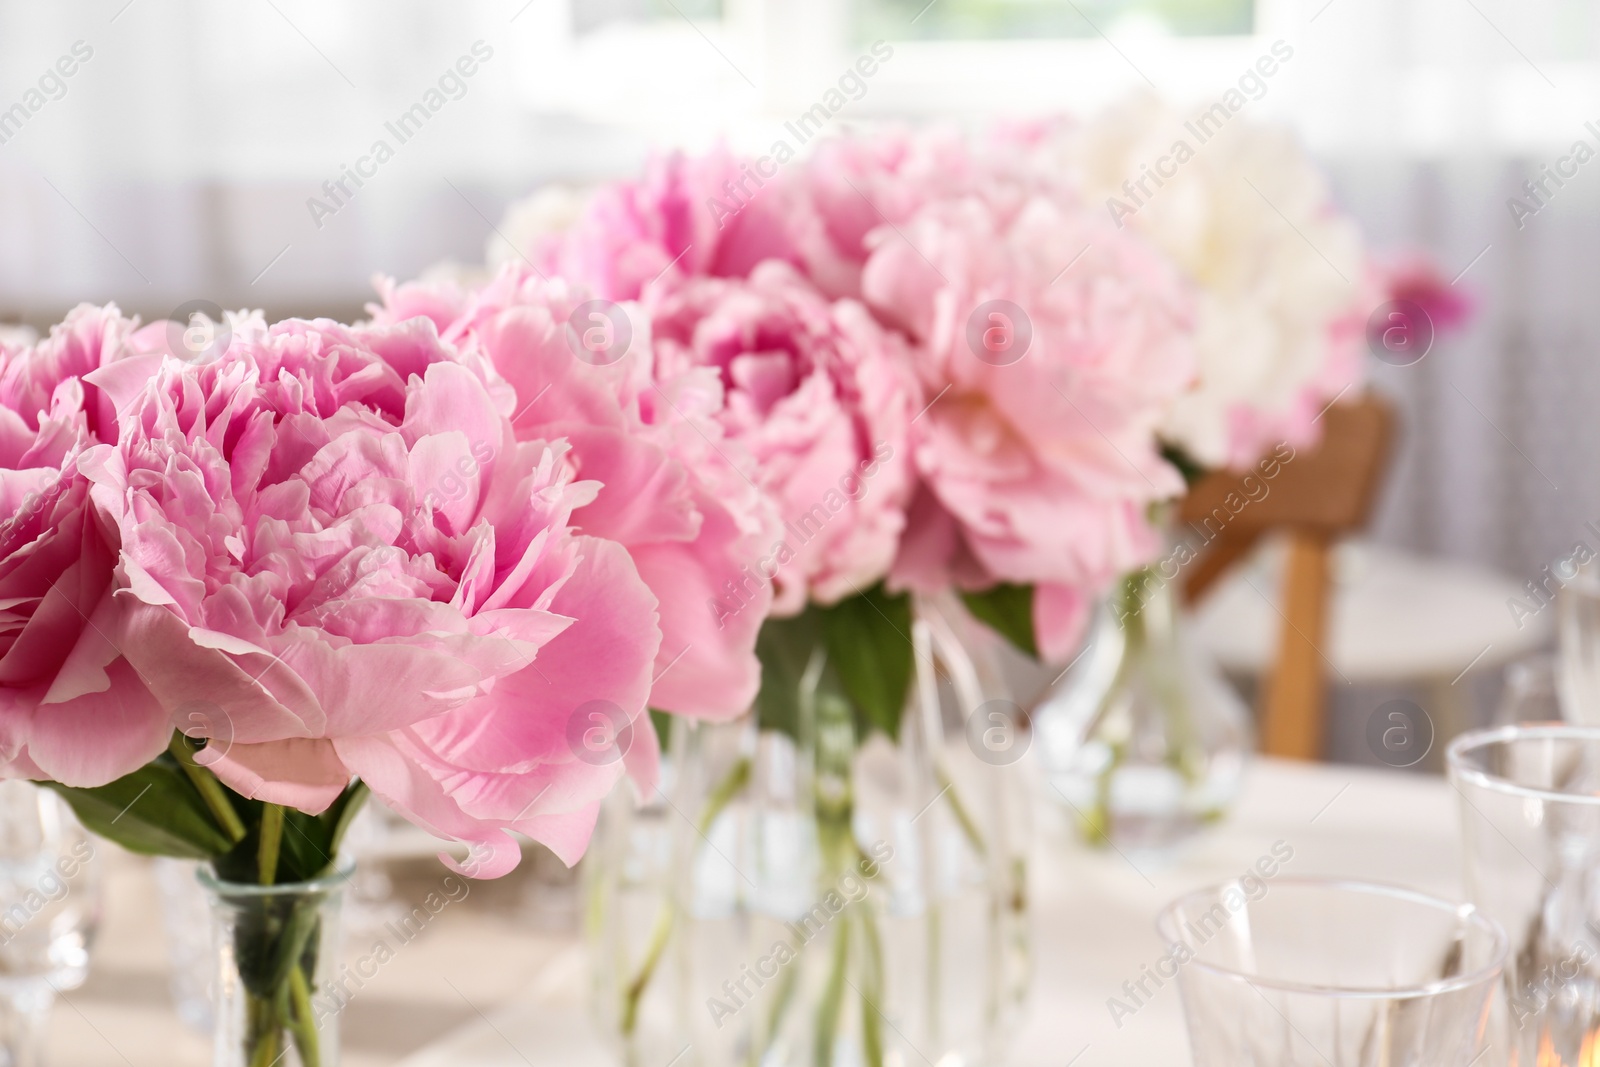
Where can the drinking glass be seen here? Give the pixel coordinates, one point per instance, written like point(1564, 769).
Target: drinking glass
point(49, 911)
point(1530, 808)
point(1578, 631)
point(1532, 692)
point(1323, 973)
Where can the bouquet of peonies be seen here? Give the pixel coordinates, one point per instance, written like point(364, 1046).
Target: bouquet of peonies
point(242, 590)
point(701, 433)
point(919, 370)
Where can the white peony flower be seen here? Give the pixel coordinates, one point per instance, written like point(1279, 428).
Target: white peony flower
point(1284, 283)
point(546, 212)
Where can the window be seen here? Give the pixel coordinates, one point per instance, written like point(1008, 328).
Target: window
point(592, 14)
point(946, 19)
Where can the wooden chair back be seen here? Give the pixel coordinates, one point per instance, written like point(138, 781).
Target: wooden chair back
point(1314, 497)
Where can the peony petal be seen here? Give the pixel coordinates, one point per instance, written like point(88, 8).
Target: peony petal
point(94, 738)
point(707, 666)
point(258, 697)
point(385, 685)
point(529, 346)
point(567, 834)
point(646, 495)
point(410, 780)
point(605, 656)
point(300, 773)
point(1060, 614)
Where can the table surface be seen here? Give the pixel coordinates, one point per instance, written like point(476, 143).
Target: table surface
point(1395, 616)
point(483, 984)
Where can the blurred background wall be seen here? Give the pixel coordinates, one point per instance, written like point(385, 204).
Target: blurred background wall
point(177, 160)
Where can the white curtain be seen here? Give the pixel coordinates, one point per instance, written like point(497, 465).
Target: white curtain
point(179, 161)
point(1499, 460)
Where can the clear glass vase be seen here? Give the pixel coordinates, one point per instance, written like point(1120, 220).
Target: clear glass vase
point(1145, 741)
point(815, 899)
point(49, 911)
point(277, 950)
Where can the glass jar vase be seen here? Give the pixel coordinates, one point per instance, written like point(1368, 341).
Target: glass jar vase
point(277, 950)
point(824, 896)
point(1144, 741)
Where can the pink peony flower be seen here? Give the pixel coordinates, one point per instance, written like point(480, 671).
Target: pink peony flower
point(332, 537)
point(673, 492)
point(822, 397)
point(1416, 277)
point(71, 708)
point(1037, 456)
point(32, 375)
point(851, 187)
point(712, 214)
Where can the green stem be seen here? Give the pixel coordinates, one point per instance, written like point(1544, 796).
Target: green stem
point(722, 794)
point(781, 1002)
point(832, 1003)
point(211, 790)
point(354, 798)
point(263, 1034)
point(634, 993)
point(835, 811)
point(969, 825)
point(735, 780)
point(871, 987)
point(1161, 669)
point(1097, 822)
point(271, 841)
point(301, 1020)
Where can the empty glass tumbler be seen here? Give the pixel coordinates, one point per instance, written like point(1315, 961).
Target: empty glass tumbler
point(1530, 810)
point(1320, 973)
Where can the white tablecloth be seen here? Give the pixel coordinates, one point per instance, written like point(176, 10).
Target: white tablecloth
point(482, 986)
point(1094, 921)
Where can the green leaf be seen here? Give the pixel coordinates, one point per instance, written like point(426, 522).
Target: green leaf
point(661, 721)
point(155, 811)
point(1008, 610)
point(305, 851)
point(868, 638)
point(785, 647)
point(342, 812)
point(1192, 472)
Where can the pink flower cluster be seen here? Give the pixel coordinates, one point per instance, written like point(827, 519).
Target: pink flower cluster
point(848, 309)
point(342, 551)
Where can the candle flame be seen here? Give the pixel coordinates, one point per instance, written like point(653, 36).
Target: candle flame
point(1588, 1052)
